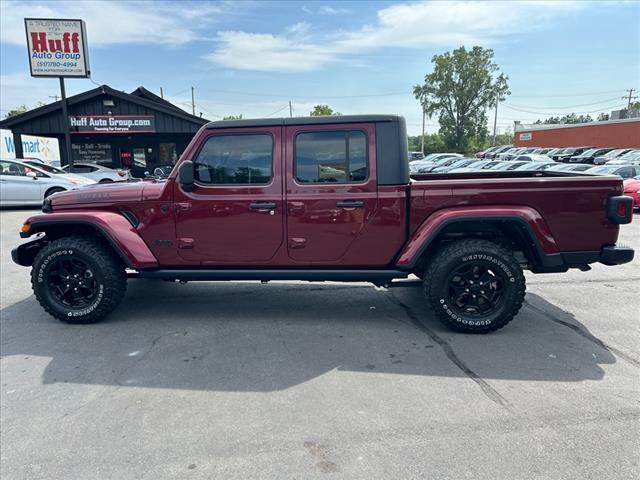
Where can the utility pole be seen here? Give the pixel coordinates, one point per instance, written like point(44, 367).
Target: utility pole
point(630, 97)
point(290, 110)
point(161, 93)
point(424, 114)
point(495, 123)
point(55, 97)
point(193, 102)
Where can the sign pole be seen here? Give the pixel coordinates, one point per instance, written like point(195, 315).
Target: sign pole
point(65, 122)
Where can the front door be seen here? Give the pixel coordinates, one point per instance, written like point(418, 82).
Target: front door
point(234, 215)
point(331, 190)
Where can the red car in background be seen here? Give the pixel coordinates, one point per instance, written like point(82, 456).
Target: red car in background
point(632, 189)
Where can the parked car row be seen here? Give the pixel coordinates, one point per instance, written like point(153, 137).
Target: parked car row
point(25, 182)
point(525, 162)
point(584, 154)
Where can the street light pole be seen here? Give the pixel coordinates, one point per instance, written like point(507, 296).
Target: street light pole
point(65, 123)
point(495, 123)
point(424, 113)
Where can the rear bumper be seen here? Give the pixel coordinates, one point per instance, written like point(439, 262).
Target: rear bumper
point(561, 262)
point(616, 255)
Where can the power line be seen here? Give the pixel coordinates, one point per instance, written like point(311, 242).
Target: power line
point(565, 95)
point(565, 107)
point(277, 111)
point(556, 113)
point(272, 95)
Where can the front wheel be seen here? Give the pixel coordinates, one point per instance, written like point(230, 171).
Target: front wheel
point(78, 279)
point(474, 286)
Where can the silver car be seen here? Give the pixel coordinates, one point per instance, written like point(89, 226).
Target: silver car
point(99, 173)
point(24, 184)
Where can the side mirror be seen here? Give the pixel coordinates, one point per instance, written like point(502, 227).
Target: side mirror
point(32, 175)
point(185, 175)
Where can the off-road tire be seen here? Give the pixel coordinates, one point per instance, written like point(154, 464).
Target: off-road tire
point(107, 268)
point(455, 256)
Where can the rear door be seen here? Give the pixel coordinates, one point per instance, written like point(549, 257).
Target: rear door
point(234, 214)
point(331, 191)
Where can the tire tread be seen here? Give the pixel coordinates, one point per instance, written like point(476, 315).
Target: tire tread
point(466, 247)
point(115, 277)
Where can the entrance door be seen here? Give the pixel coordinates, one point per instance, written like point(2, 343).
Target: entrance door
point(234, 215)
point(331, 189)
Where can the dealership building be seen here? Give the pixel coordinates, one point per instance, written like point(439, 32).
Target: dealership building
point(137, 130)
point(623, 133)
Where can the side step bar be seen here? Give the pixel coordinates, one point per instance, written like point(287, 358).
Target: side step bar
point(378, 277)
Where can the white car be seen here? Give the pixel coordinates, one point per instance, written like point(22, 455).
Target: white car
point(99, 173)
point(629, 158)
point(58, 171)
point(432, 157)
point(22, 184)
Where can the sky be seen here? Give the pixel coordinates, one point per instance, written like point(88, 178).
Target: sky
point(253, 57)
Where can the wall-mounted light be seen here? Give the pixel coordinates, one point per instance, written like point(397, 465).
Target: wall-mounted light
point(108, 103)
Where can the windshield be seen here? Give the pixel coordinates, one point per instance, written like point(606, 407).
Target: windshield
point(614, 153)
point(590, 152)
point(603, 169)
point(632, 155)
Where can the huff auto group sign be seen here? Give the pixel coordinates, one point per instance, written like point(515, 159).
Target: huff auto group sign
point(57, 48)
point(112, 124)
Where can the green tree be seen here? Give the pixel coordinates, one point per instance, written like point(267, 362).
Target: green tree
point(570, 118)
point(232, 117)
point(433, 143)
point(320, 110)
point(463, 85)
point(603, 117)
point(16, 111)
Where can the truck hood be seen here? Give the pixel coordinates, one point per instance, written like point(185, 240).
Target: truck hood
point(106, 193)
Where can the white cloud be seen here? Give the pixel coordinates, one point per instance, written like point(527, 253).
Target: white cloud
point(424, 24)
point(289, 52)
point(409, 25)
point(116, 22)
point(325, 10)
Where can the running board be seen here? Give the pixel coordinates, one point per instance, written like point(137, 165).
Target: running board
point(378, 277)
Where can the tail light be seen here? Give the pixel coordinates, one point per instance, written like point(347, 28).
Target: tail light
point(122, 173)
point(620, 209)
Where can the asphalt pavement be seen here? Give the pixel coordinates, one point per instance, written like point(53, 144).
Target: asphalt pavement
point(290, 380)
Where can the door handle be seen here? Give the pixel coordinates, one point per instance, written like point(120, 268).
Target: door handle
point(350, 204)
point(263, 205)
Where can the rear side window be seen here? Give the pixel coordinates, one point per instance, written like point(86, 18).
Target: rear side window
point(14, 169)
point(235, 159)
point(83, 169)
point(331, 157)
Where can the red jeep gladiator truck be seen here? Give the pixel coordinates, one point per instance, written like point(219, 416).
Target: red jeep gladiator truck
point(322, 199)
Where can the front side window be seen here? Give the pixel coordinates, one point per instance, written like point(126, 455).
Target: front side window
point(235, 159)
point(331, 157)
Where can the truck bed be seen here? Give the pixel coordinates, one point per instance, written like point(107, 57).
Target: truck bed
point(568, 202)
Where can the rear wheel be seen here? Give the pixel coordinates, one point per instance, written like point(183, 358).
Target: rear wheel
point(78, 280)
point(106, 180)
point(474, 286)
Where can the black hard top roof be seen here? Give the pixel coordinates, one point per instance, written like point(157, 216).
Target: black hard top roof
point(319, 120)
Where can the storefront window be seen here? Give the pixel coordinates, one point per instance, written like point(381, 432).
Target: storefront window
point(100, 153)
point(168, 154)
